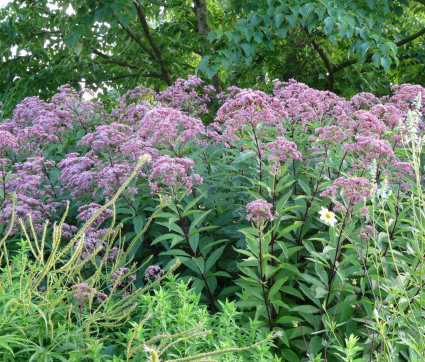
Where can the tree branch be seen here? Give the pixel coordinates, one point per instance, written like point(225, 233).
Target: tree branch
point(139, 41)
point(400, 43)
point(110, 60)
point(329, 66)
point(201, 12)
point(43, 33)
point(410, 38)
point(326, 61)
point(134, 75)
point(165, 5)
point(157, 52)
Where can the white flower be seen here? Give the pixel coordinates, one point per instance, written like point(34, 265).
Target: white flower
point(327, 217)
point(145, 158)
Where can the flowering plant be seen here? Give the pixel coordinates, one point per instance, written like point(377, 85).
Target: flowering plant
point(239, 202)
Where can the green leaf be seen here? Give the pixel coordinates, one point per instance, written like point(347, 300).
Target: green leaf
point(276, 287)
point(168, 236)
point(200, 262)
point(203, 64)
point(305, 309)
point(283, 30)
point(139, 223)
point(289, 355)
point(279, 18)
point(192, 203)
point(194, 242)
point(290, 228)
point(386, 62)
point(198, 219)
point(212, 259)
point(124, 20)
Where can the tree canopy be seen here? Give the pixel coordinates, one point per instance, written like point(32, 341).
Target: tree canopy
point(329, 44)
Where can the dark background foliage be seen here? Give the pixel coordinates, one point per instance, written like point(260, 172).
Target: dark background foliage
point(333, 44)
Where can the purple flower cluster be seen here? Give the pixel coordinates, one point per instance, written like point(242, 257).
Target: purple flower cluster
point(173, 174)
point(37, 124)
point(352, 190)
point(153, 272)
point(260, 211)
point(169, 128)
point(35, 193)
point(247, 109)
point(121, 279)
point(87, 211)
point(188, 95)
point(165, 125)
point(367, 232)
point(8, 142)
point(83, 293)
point(330, 135)
point(304, 104)
point(367, 149)
point(281, 151)
point(93, 241)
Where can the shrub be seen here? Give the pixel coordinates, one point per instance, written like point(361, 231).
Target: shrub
point(55, 307)
point(301, 207)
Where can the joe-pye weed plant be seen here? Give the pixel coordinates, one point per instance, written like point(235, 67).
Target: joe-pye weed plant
point(322, 176)
point(52, 309)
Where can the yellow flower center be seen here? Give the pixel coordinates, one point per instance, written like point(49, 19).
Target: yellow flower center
point(328, 216)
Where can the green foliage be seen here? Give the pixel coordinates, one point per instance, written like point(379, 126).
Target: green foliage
point(347, 287)
point(224, 327)
point(44, 319)
point(45, 44)
point(328, 44)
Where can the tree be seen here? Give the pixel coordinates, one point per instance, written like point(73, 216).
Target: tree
point(344, 46)
point(101, 42)
point(333, 44)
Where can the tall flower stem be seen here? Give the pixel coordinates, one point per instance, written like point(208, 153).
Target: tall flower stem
point(310, 203)
point(263, 281)
point(192, 252)
point(257, 145)
point(337, 252)
point(3, 183)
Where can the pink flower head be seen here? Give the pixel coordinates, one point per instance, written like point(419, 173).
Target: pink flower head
point(282, 151)
point(83, 293)
point(78, 173)
point(388, 113)
point(353, 190)
point(370, 125)
point(153, 272)
point(402, 171)
point(87, 211)
point(366, 149)
point(260, 211)
point(8, 142)
point(304, 104)
point(34, 193)
point(170, 128)
point(93, 241)
point(173, 174)
point(248, 108)
point(331, 134)
point(368, 232)
point(364, 100)
point(188, 95)
point(107, 137)
point(121, 279)
point(36, 124)
point(405, 95)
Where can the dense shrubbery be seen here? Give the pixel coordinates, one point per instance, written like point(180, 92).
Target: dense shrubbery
point(303, 208)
